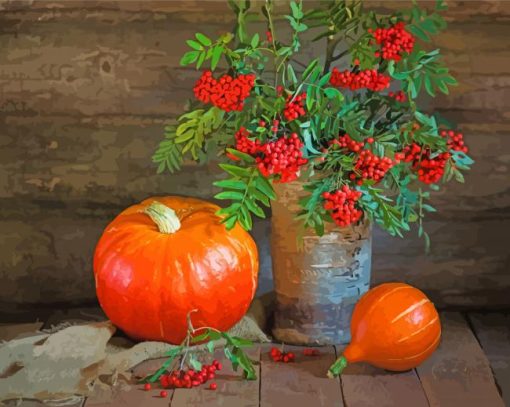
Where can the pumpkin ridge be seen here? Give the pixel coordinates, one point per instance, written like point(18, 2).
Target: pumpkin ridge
point(409, 310)
point(373, 306)
point(432, 345)
point(431, 322)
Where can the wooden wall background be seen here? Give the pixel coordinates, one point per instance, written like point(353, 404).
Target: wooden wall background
point(86, 88)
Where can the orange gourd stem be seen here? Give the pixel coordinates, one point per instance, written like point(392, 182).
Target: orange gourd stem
point(164, 217)
point(352, 353)
point(337, 368)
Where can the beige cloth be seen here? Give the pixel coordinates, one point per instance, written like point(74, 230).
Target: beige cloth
point(84, 360)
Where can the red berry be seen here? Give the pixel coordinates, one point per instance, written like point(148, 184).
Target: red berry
point(342, 206)
point(393, 40)
point(147, 386)
point(227, 93)
point(294, 107)
point(163, 393)
point(369, 79)
point(213, 386)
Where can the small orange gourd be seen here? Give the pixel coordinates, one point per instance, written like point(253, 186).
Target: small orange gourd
point(394, 326)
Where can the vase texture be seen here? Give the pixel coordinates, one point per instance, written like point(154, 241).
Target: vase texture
point(318, 280)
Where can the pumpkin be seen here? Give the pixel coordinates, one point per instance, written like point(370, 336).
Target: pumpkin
point(394, 326)
point(166, 257)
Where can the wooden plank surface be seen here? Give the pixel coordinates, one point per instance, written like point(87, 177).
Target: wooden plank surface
point(232, 391)
point(493, 332)
point(364, 385)
point(301, 383)
point(458, 373)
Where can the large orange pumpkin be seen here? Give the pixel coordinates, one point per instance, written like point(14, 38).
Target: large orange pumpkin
point(161, 259)
point(394, 326)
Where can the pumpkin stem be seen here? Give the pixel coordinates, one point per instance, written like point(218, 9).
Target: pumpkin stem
point(337, 368)
point(164, 217)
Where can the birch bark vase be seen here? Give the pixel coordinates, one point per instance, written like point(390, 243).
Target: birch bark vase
point(317, 284)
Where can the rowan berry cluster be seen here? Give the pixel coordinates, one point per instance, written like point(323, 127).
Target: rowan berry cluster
point(399, 96)
point(455, 140)
point(278, 356)
point(347, 142)
point(282, 157)
point(371, 167)
point(244, 144)
point(295, 108)
point(190, 378)
point(393, 40)
point(342, 205)
point(368, 78)
point(227, 93)
point(429, 169)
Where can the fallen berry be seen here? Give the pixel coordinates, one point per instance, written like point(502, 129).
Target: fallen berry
point(147, 386)
point(213, 386)
point(163, 393)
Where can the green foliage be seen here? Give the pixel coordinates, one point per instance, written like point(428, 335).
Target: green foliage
point(168, 156)
point(247, 188)
point(424, 25)
point(171, 355)
point(381, 209)
point(233, 350)
point(203, 49)
point(422, 69)
point(397, 202)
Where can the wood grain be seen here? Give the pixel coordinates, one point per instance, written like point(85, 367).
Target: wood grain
point(458, 373)
point(364, 385)
point(493, 332)
point(299, 384)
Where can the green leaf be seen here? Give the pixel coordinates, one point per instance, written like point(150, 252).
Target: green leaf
point(242, 156)
point(255, 40)
point(172, 354)
point(291, 74)
point(245, 218)
point(230, 222)
point(308, 70)
point(210, 346)
point(216, 55)
point(419, 32)
point(428, 86)
point(296, 8)
point(230, 184)
point(333, 93)
point(193, 361)
point(195, 45)
point(253, 207)
point(189, 57)
point(204, 40)
point(233, 195)
point(263, 185)
point(235, 170)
